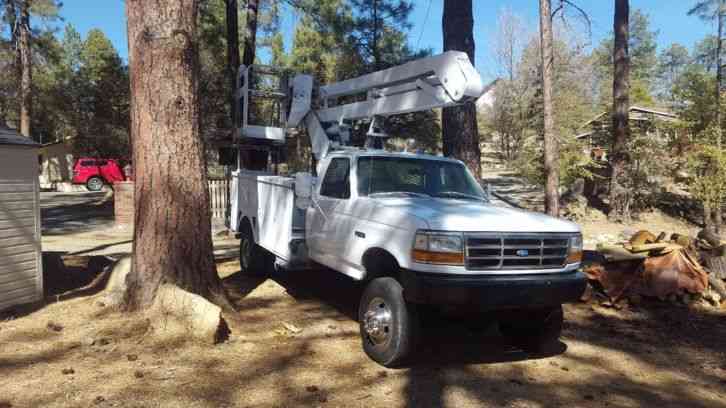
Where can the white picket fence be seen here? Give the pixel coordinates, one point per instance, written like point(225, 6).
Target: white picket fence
point(218, 197)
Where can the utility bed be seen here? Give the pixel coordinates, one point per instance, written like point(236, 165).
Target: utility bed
point(267, 203)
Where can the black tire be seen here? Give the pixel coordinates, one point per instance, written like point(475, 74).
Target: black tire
point(388, 325)
point(94, 184)
point(253, 259)
point(534, 330)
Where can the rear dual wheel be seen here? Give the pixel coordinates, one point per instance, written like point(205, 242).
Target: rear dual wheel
point(253, 259)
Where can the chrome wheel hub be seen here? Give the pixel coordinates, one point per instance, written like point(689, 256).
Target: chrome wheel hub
point(378, 322)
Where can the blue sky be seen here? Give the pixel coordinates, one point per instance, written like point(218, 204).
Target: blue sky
point(668, 17)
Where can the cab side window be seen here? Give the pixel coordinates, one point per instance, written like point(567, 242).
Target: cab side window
point(336, 183)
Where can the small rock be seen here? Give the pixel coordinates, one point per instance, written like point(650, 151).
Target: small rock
point(312, 388)
point(99, 399)
point(563, 368)
point(139, 374)
point(101, 342)
point(132, 357)
point(54, 326)
point(382, 374)
point(589, 397)
point(67, 371)
point(515, 381)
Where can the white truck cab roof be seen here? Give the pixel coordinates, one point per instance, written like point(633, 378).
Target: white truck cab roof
point(355, 153)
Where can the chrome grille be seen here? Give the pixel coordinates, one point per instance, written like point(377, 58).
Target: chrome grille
point(491, 251)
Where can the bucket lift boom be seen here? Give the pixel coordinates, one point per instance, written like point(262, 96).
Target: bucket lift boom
point(439, 81)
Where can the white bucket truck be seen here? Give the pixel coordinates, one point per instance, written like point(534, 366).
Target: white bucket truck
point(416, 229)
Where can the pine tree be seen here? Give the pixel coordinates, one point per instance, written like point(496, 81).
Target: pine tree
point(710, 10)
point(460, 131)
point(619, 194)
point(172, 234)
point(551, 145)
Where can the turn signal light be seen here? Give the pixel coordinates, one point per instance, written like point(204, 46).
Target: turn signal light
point(442, 258)
point(574, 256)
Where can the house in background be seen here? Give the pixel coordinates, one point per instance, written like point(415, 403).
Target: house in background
point(56, 164)
point(598, 136)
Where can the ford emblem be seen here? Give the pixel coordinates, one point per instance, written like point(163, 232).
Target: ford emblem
point(522, 253)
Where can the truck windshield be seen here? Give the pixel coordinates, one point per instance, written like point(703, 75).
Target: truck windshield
point(416, 177)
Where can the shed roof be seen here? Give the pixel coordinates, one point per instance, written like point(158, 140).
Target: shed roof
point(11, 137)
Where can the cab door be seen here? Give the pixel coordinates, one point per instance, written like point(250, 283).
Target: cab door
point(325, 218)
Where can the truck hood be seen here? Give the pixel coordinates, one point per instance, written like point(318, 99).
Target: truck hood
point(473, 216)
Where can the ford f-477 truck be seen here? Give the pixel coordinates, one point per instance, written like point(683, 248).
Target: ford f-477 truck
point(415, 229)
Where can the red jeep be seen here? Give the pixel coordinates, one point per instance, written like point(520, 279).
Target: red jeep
point(94, 173)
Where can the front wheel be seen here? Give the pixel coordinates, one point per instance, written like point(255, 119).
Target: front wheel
point(94, 184)
point(388, 325)
point(534, 330)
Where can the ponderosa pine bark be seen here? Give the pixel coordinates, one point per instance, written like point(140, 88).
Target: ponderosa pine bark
point(172, 236)
point(717, 216)
point(460, 131)
point(26, 68)
point(232, 9)
point(551, 145)
point(619, 196)
point(250, 32)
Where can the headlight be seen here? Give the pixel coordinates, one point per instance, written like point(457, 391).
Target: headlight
point(574, 253)
point(445, 248)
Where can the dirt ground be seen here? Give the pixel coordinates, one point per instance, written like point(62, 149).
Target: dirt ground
point(295, 343)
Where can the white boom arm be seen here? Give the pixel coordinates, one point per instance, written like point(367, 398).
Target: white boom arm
point(439, 81)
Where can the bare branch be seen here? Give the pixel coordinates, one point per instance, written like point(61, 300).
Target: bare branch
point(583, 14)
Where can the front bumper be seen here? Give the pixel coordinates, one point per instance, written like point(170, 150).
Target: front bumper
point(493, 291)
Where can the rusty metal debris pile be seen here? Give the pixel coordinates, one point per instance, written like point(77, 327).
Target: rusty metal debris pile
point(677, 268)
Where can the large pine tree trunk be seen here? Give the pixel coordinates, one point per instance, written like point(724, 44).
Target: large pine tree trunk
point(250, 32)
point(551, 146)
point(460, 132)
point(172, 236)
point(717, 216)
point(233, 57)
point(26, 68)
point(619, 195)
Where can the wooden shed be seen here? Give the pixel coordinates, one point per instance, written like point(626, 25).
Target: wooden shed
point(21, 270)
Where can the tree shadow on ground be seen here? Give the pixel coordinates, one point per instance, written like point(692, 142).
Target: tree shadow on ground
point(446, 339)
point(66, 277)
point(72, 213)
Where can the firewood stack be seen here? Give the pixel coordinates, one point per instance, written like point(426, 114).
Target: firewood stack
point(678, 268)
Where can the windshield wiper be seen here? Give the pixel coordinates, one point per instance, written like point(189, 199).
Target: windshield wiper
point(406, 193)
point(456, 194)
